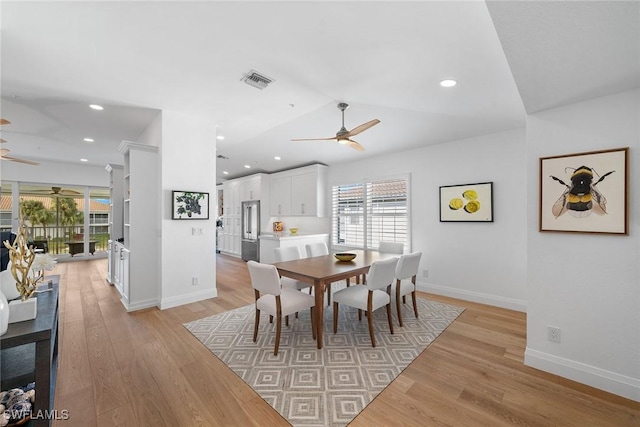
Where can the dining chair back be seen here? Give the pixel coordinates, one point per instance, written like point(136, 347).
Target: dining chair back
point(405, 283)
point(264, 278)
point(369, 297)
point(290, 253)
point(391, 247)
point(316, 249)
point(275, 300)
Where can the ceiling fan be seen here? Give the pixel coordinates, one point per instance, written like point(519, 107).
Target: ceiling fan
point(343, 136)
point(4, 151)
point(58, 191)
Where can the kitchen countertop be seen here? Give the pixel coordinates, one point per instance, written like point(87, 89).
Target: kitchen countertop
point(287, 236)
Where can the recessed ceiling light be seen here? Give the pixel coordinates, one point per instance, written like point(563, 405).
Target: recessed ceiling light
point(220, 137)
point(277, 158)
point(84, 160)
point(97, 107)
point(88, 140)
point(225, 173)
point(247, 166)
point(448, 83)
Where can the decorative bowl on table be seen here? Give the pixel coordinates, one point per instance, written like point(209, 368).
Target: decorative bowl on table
point(344, 257)
point(294, 230)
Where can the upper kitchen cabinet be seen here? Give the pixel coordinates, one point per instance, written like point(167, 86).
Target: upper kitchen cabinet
point(299, 192)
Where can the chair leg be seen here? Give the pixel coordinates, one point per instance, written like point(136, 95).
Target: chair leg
point(286, 320)
point(370, 317)
point(415, 303)
point(398, 302)
point(328, 287)
point(389, 317)
point(270, 319)
point(359, 315)
point(404, 299)
point(348, 282)
point(255, 326)
point(335, 317)
point(278, 331)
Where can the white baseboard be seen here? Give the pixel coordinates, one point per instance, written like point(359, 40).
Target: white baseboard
point(497, 301)
point(188, 298)
point(139, 305)
point(602, 379)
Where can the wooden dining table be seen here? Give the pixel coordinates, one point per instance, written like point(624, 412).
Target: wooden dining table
point(322, 270)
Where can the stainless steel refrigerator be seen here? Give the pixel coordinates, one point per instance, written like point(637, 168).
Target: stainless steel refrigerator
point(250, 230)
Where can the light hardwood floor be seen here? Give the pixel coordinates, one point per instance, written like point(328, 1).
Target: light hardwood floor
point(146, 369)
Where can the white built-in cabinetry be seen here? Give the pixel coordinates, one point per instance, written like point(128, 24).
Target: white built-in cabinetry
point(116, 188)
point(234, 193)
point(299, 192)
point(138, 257)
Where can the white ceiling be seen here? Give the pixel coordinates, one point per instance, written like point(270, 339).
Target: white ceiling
point(383, 58)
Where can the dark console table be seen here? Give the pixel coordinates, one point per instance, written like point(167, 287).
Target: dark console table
point(78, 247)
point(29, 352)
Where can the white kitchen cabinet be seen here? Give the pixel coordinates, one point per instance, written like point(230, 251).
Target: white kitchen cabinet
point(304, 194)
point(280, 195)
point(299, 192)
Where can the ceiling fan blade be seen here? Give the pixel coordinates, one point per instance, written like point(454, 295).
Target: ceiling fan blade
point(14, 159)
point(351, 143)
point(4, 122)
point(358, 129)
point(316, 139)
point(3, 156)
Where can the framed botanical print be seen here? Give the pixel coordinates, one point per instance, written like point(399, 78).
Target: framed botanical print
point(189, 205)
point(467, 202)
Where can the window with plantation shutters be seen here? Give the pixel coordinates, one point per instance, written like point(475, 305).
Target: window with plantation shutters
point(364, 214)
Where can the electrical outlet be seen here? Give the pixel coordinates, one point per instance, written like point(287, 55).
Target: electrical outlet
point(425, 273)
point(195, 280)
point(553, 334)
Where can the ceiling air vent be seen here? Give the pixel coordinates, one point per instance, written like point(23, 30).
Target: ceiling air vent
point(255, 79)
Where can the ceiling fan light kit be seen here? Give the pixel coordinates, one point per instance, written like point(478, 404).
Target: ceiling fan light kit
point(343, 136)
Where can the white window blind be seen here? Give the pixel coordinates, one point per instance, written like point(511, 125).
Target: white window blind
point(364, 214)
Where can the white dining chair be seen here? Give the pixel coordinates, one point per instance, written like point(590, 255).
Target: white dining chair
point(405, 283)
point(276, 300)
point(370, 296)
point(290, 253)
point(316, 249)
point(391, 247)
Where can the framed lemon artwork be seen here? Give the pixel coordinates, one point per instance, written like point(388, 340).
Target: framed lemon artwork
point(467, 202)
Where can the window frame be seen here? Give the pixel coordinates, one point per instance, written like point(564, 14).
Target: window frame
point(365, 215)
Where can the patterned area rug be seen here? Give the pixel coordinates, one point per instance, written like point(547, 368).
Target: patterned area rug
point(328, 387)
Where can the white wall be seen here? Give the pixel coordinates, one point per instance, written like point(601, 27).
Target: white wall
point(484, 262)
point(185, 255)
point(587, 285)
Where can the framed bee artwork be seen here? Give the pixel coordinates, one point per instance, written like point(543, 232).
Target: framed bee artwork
point(467, 202)
point(585, 192)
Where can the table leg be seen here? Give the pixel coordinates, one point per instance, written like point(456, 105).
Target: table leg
point(43, 380)
point(319, 310)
